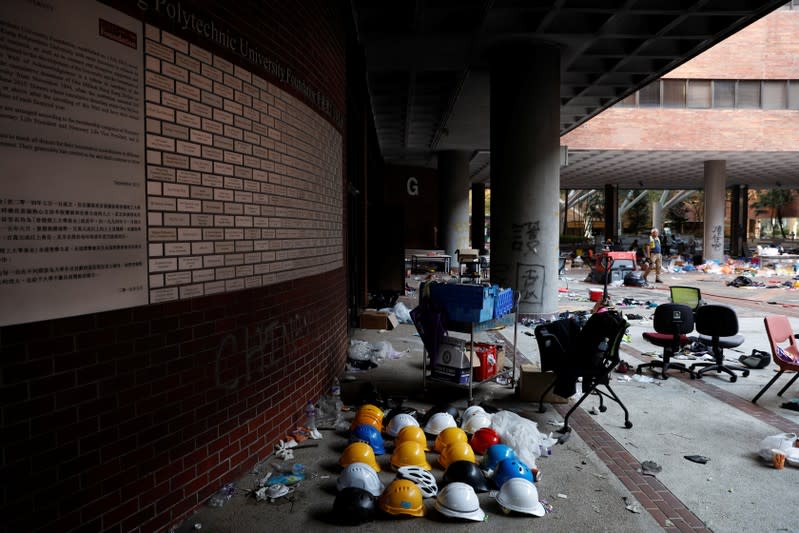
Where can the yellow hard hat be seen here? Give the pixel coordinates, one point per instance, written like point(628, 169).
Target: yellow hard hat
point(367, 418)
point(457, 451)
point(371, 409)
point(411, 434)
point(410, 453)
point(448, 436)
point(402, 497)
point(359, 452)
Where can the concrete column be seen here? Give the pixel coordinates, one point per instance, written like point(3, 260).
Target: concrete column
point(657, 215)
point(715, 198)
point(478, 226)
point(453, 175)
point(735, 221)
point(525, 172)
point(611, 212)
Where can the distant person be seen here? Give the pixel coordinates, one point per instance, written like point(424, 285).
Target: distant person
point(654, 256)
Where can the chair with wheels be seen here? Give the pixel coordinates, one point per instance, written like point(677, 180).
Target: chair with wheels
point(717, 326)
point(591, 354)
point(672, 323)
point(690, 296)
point(779, 333)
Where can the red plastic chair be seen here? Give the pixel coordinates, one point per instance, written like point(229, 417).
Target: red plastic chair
point(779, 331)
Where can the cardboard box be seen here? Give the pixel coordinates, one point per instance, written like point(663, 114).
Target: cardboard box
point(451, 363)
point(371, 319)
point(533, 383)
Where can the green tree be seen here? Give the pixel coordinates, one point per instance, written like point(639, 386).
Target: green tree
point(771, 202)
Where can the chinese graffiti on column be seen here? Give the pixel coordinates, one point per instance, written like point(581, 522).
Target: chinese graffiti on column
point(531, 283)
point(525, 236)
point(717, 238)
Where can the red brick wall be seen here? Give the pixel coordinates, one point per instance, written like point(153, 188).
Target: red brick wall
point(130, 419)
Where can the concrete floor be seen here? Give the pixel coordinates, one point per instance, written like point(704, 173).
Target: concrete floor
point(590, 479)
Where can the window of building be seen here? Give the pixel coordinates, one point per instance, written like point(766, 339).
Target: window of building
point(699, 93)
point(650, 95)
point(724, 93)
point(793, 94)
point(748, 96)
point(673, 93)
point(775, 94)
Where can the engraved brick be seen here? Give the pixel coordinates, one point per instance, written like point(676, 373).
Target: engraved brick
point(211, 99)
point(176, 189)
point(234, 285)
point(153, 126)
point(252, 162)
point(213, 261)
point(252, 257)
point(158, 81)
point(151, 94)
point(177, 248)
point(243, 197)
point(189, 206)
point(163, 295)
point(160, 112)
point(201, 137)
point(252, 233)
point(242, 172)
point(176, 219)
point(233, 209)
point(187, 119)
point(163, 264)
point(243, 99)
point(223, 64)
point(243, 271)
point(252, 210)
point(186, 148)
point(201, 220)
point(187, 91)
point(222, 116)
point(159, 50)
point(268, 257)
point(242, 147)
point(250, 89)
point(244, 246)
point(251, 186)
point(263, 268)
point(213, 207)
point(175, 42)
point(220, 221)
point(223, 90)
point(177, 278)
point(201, 109)
point(233, 107)
point(242, 74)
point(200, 81)
point(192, 291)
point(200, 53)
point(175, 72)
point(155, 219)
point(176, 131)
point(232, 81)
point(223, 195)
point(213, 126)
point(251, 138)
point(222, 247)
point(261, 245)
point(234, 183)
point(156, 142)
point(181, 59)
point(260, 129)
point(223, 143)
point(223, 168)
point(243, 123)
point(232, 234)
point(189, 234)
point(233, 158)
point(209, 152)
point(253, 115)
point(202, 275)
point(175, 160)
point(214, 287)
point(243, 221)
point(260, 222)
point(156, 281)
point(159, 203)
point(201, 165)
point(175, 102)
point(200, 248)
point(202, 193)
point(253, 282)
point(160, 173)
point(209, 180)
point(212, 72)
point(234, 259)
point(151, 32)
point(234, 132)
point(225, 273)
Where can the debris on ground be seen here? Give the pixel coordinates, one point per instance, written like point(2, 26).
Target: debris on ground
point(650, 468)
point(701, 459)
point(633, 507)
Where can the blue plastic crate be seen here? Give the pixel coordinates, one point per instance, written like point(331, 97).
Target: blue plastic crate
point(503, 302)
point(464, 303)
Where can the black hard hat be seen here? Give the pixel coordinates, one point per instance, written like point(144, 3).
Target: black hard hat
point(440, 408)
point(466, 472)
point(354, 506)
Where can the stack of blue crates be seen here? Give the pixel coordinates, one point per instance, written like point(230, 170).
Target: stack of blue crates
point(464, 303)
point(503, 301)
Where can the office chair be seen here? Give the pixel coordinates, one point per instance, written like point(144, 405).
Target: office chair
point(672, 324)
point(690, 296)
point(779, 330)
point(589, 353)
point(717, 326)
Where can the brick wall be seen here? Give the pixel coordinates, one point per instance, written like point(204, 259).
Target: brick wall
point(129, 419)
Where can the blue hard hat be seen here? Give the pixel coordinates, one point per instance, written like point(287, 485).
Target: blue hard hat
point(370, 435)
point(511, 468)
point(496, 453)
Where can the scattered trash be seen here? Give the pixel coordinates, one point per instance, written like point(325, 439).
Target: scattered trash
point(593, 411)
point(701, 459)
point(792, 405)
point(222, 495)
point(632, 507)
point(198, 526)
point(668, 523)
point(650, 468)
point(563, 496)
point(640, 378)
point(624, 367)
point(624, 378)
point(272, 492)
point(283, 450)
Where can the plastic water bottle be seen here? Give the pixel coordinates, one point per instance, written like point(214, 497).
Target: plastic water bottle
point(310, 416)
point(335, 391)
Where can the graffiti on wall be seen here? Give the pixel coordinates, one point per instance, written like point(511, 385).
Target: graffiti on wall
point(717, 238)
point(525, 236)
point(530, 283)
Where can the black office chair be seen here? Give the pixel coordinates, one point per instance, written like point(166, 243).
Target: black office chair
point(717, 326)
point(589, 353)
point(672, 324)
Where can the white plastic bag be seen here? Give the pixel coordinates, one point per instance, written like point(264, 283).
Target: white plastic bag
point(360, 350)
point(402, 313)
point(783, 441)
point(522, 435)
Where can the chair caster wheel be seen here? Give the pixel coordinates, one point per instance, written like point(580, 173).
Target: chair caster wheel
point(542, 410)
point(628, 424)
point(638, 371)
point(745, 373)
point(693, 376)
point(603, 408)
point(733, 379)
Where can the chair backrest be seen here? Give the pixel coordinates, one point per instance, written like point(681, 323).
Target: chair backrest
point(690, 296)
point(716, 321)
point(674, 319)
point(779, 330)
point(594, 355)
point(555, 341)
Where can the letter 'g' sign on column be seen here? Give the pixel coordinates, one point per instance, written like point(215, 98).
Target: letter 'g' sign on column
point(413, 186)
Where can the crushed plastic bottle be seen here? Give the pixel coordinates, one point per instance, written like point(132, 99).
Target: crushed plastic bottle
point(222, 496)
point(310, 415)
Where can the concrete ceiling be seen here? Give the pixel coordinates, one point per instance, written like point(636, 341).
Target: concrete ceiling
point(428, 77)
